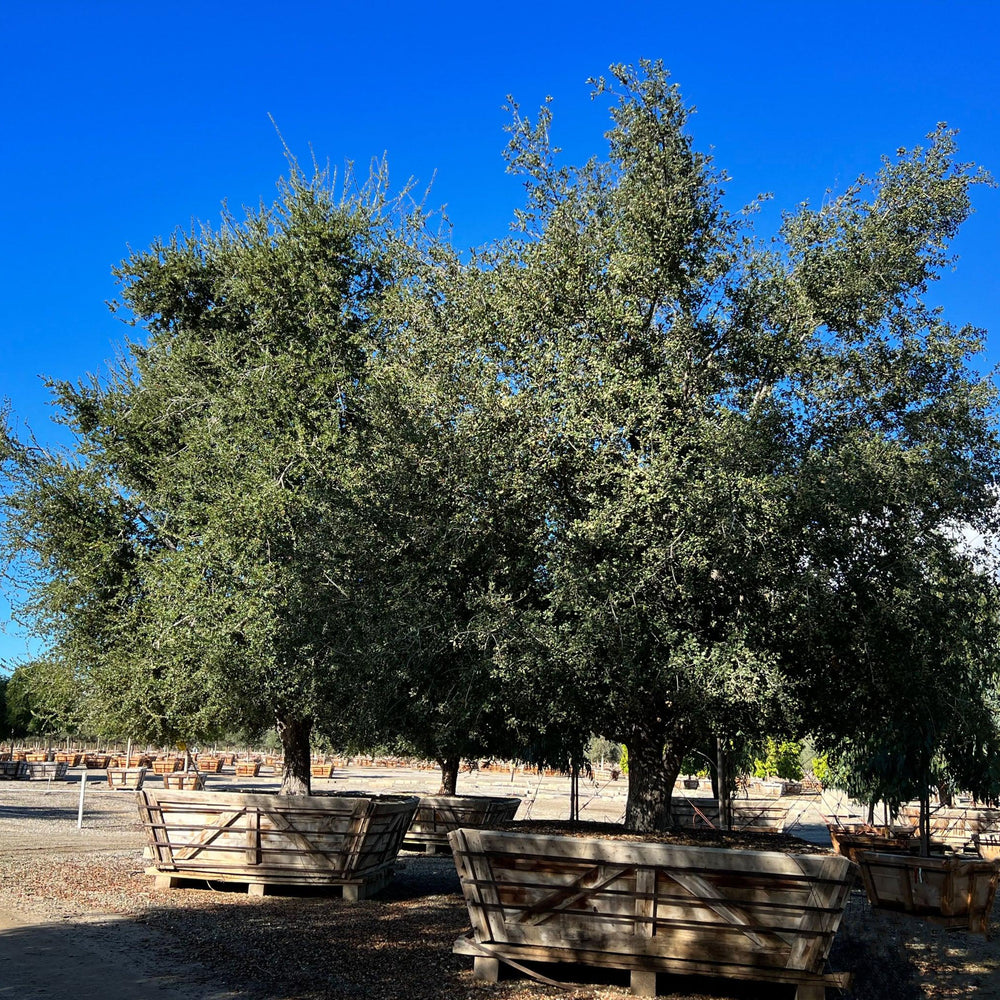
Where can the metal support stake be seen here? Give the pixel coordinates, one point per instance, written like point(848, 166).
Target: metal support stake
point(83, 789)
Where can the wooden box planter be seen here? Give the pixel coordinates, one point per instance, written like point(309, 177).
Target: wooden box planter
point(954, 826)
point(37, 757)
point(45, 770)
point(757, 815)
point(179, 781)
point(167, 765)
point(851, 839)
point(120, 778)
point(96, 761)
point(210, 765)
point(270, 841)
point(651, 908)
point(13, 770)
point(247, 768)
point(438, 815)
point(954, 891)
point(69, 759)
point(318, 769)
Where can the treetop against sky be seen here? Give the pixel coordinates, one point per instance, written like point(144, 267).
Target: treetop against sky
point(123, 123)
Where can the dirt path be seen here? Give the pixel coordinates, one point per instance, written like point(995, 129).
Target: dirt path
point(80, 918)
point(94, 957)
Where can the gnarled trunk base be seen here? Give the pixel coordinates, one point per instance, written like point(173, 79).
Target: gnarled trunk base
point(653, 765)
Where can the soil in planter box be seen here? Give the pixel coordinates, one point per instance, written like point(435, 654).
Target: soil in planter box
point(743, 840)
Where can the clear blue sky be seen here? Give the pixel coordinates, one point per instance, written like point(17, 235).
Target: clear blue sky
point(123, 121)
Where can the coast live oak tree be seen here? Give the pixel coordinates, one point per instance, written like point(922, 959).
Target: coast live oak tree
point(721, 427)
point(195, 553)
point(449, 563)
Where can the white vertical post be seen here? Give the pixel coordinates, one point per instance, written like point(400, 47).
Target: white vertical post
point(83, 789)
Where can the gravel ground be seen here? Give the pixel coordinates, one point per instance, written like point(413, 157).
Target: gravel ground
point(78, 915)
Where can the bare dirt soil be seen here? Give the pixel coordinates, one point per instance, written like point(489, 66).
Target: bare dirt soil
point(80, 917)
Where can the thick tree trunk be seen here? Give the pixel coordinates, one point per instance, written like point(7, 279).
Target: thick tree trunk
point(294, 735)
point(449, 774)
point(654, 762)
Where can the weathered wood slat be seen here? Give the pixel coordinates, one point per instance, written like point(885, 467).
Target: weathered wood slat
point(485, 911)
point(715, 900)
point(577, 891)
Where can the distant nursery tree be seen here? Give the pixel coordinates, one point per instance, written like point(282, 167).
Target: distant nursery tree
point(42, 697)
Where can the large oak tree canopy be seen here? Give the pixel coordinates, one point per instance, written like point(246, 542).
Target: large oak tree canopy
point(750, 451)
point(630, 470)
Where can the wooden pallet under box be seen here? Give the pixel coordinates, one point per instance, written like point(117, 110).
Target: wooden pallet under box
point(651, 908)
point(438, 815)
point(268, 841)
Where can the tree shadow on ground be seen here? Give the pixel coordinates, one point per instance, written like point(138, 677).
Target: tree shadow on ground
point(871, 945)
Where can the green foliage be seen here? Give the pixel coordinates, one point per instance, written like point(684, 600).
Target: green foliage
point(599, 749)
point(820, 767)
point(196, 553)
point(42, 697)
point(782, 760)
